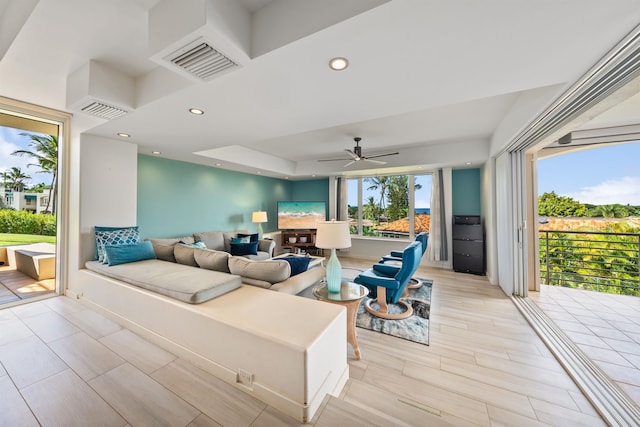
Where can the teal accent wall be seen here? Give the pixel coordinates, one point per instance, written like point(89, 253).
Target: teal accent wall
point(316, 190)
point(178, 198)
point(465, 185)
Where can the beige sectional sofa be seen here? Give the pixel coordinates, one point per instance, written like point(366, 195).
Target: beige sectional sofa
point(216, 240)
point(286, 351)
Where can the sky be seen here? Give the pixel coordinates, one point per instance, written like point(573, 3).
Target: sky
point(605, 175)
point(10, 141)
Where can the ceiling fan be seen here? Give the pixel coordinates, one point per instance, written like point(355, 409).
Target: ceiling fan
point(356, 155)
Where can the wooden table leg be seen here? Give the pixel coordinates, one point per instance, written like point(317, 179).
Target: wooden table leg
point(352, 312)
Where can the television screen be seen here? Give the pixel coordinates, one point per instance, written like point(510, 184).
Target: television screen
point(301, 215)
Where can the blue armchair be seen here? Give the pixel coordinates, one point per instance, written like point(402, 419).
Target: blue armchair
point(395, 258)
point(388, 289)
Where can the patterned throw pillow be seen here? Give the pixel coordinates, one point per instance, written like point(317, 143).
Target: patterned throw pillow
point(115, 236)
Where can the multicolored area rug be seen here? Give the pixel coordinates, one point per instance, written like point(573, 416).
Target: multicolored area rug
point(414, 328)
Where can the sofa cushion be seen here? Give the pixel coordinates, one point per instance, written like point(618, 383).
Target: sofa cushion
point(185, 254)
point(212, 260)
point(211, 239)
point(244, 248)
point(164, 252)
point(272, 271)
point(123, 254)
point(172, 241)
point(184, 283)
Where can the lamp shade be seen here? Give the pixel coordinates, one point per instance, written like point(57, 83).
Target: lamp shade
point(333, 235)
point(259, 216)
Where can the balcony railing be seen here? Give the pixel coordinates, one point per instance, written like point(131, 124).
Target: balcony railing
point(597, 261)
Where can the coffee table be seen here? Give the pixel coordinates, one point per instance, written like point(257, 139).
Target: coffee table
point(349, 296)
point(315, 260)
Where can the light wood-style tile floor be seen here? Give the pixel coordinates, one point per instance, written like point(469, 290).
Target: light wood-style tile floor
point(606, 327)
point(62, 364)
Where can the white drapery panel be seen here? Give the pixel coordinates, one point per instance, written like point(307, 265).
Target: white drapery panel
point(437, 244)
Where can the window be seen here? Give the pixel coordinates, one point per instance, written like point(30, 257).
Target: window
point(392, 207)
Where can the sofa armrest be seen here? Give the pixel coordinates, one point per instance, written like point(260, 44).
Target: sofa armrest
point(267, 245)
point(298, 283)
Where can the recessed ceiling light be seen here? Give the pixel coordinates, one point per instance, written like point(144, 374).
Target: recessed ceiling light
point(196, 111)
point(286, 177)
point(259, 173)
point(218, 164)
point(157, 153)
point(313, 176)
point(338, 64)
point(124, 135)
point(468, 163)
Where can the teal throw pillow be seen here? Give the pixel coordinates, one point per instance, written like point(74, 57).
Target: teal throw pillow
point(123, 254)
point(299, 264)
point(240, 239)
point(244, 248)
point(200, 245)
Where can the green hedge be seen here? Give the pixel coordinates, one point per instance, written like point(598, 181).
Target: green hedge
point(24, 222)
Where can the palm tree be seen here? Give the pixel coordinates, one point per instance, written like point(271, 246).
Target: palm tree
point(398, 195)
point(370, 210)
point(17, 179)
point(5, 178)
point(610, 211)
point(45, 151)
point(379, 183)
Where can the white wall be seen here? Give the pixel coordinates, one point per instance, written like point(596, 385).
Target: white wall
point(529, 105)
point(107, 190)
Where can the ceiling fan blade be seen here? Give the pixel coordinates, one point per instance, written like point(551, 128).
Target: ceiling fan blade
point(382, 155)
point(379, 162)
point(332, 160)
point(349, 164)
point(353, 155)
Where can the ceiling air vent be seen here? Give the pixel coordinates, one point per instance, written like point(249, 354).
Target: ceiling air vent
point(102, 110)
point(201, 60)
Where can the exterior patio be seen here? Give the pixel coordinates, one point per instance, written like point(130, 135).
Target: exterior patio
point(16, 286)
point(606, 327)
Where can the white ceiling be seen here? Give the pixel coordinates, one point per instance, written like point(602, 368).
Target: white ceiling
point(428, 78)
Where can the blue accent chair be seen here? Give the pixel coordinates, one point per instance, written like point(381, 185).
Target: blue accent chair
point(388, 289)
point(395, 258)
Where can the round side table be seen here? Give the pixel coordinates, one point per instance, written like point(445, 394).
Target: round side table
point(349, 296)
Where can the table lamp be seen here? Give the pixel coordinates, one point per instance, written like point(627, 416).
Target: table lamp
point(333, 235)
point(259, 217)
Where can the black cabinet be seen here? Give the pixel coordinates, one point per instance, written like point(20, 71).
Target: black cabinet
point(468, 244)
